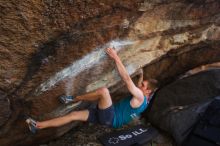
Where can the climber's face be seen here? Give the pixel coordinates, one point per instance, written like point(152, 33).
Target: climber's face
point(145, 88)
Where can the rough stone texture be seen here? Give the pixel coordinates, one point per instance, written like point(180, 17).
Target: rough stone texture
point(5, 110)
point(177, 106)
point(49, 48)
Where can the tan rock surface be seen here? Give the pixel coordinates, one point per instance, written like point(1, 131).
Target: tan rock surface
point(49, 48)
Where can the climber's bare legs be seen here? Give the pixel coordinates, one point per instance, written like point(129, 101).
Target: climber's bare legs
point(101, 94)
point(104, 101)
point(56, 122)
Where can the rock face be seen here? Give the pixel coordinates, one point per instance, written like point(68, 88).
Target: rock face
point(49, 48)
point(6, 111)
point(177, 106)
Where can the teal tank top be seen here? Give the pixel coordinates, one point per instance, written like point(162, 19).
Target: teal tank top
point(124, 113)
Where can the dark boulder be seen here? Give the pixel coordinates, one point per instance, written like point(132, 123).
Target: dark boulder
point(177, 106)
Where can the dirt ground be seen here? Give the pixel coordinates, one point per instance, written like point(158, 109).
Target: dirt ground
point(78, 137)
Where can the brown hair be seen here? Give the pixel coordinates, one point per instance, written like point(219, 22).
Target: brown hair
point(152, 84)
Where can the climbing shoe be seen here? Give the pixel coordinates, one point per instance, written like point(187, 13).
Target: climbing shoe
point(66, 99)
point(32, 125)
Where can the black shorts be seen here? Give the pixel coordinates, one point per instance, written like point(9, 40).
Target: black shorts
point(101, 116)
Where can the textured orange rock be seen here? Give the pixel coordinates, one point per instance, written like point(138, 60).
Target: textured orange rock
point(42, 38)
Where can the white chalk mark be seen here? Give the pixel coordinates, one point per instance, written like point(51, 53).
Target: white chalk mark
point(78, 66)
point(97, 84)
point(69, 86)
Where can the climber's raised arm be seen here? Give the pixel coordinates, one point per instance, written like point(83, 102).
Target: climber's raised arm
point(135, 91)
